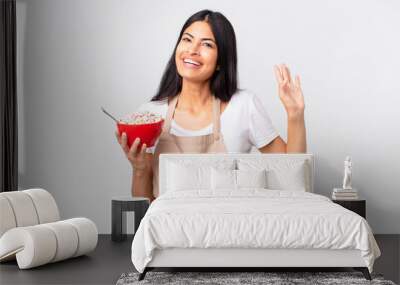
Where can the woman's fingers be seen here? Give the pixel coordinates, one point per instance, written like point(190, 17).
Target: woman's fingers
point(134, 146)
point(282, 72)
point(297, 82)
point(143, 150)
point(287, 73)
point(278, 74)
point(288, 79)
point(136, 156)
point(124, 142)
point(118, 136)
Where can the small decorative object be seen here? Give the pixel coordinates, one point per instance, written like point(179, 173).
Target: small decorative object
point(347, 192)
point(347, 173)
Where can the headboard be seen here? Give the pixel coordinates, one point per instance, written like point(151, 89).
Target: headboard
point(216, 158)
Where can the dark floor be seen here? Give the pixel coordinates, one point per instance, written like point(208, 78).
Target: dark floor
point(111, 259)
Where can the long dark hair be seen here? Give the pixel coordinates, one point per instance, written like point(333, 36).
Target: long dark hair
point(223, 82)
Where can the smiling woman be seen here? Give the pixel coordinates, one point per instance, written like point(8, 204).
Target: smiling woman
point(198, 84)
point(207, 38)
point(197, 53)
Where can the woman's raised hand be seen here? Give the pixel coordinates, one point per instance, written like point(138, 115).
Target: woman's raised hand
point(290, 92)
point(138, 157)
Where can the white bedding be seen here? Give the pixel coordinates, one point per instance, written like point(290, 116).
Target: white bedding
point(250, 218)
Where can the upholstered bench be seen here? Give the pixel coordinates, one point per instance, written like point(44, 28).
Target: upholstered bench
point(31, 231)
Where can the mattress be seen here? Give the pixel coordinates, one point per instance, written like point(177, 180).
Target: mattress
point(250, 219)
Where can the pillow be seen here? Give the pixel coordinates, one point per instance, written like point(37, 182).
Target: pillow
point(288, 179)
point(251, 178)
point(223, 179)
point(229, 179)
point(281, 174)
point(181, 177)
point(189, 174)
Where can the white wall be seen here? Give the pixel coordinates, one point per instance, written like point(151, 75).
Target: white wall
point(75, 56)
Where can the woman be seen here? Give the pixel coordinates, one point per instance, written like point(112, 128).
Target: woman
point(204, 110)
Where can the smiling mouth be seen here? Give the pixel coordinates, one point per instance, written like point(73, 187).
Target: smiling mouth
point(191, 62)
point(191, 65)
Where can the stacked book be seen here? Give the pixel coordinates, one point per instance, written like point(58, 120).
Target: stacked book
point(344, 194)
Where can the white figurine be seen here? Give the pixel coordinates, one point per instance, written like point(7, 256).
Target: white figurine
point(347, 173)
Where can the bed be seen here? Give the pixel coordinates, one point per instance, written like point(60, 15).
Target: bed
point(247, 210)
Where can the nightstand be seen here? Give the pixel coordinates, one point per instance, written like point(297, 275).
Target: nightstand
point(119, 207)
point(357, 206)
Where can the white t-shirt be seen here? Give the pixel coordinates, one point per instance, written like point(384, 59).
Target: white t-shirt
point(244, 123)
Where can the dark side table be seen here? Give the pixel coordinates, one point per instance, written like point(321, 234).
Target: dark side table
point(357, 206)
point(119, 207)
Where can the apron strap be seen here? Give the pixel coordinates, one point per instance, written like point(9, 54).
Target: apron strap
point(216, 116)
point(170, 114)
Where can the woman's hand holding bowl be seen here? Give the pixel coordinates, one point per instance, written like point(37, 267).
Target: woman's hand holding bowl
point(136, 155)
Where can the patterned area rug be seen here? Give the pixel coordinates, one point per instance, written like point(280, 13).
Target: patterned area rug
point(229, 278)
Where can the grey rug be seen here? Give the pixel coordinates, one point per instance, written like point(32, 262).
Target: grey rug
point(229, 278)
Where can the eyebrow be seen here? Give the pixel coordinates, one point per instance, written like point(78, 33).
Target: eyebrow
point(203, 39)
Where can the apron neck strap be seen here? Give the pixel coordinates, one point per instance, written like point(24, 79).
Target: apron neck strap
point(170, 114)
point(216, 116)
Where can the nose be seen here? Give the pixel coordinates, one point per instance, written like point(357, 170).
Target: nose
point(193, 49)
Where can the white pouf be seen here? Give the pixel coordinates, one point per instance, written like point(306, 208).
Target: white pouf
point(31, 233)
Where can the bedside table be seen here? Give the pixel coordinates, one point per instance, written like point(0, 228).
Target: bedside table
point(119, 207)
point(357, 206)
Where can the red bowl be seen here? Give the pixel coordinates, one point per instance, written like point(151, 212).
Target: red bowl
point(148, 133)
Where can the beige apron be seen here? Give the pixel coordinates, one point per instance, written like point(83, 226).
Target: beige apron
point(169, 143)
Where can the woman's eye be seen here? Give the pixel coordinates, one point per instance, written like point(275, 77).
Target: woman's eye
point(188, 40)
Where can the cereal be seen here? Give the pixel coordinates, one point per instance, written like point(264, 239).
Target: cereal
point(141, 118)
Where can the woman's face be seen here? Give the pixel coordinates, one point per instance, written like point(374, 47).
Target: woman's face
point(196, 54)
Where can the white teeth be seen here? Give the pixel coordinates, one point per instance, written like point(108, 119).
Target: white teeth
point(191, 61)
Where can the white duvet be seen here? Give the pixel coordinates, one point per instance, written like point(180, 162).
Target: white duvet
point(252, 218)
